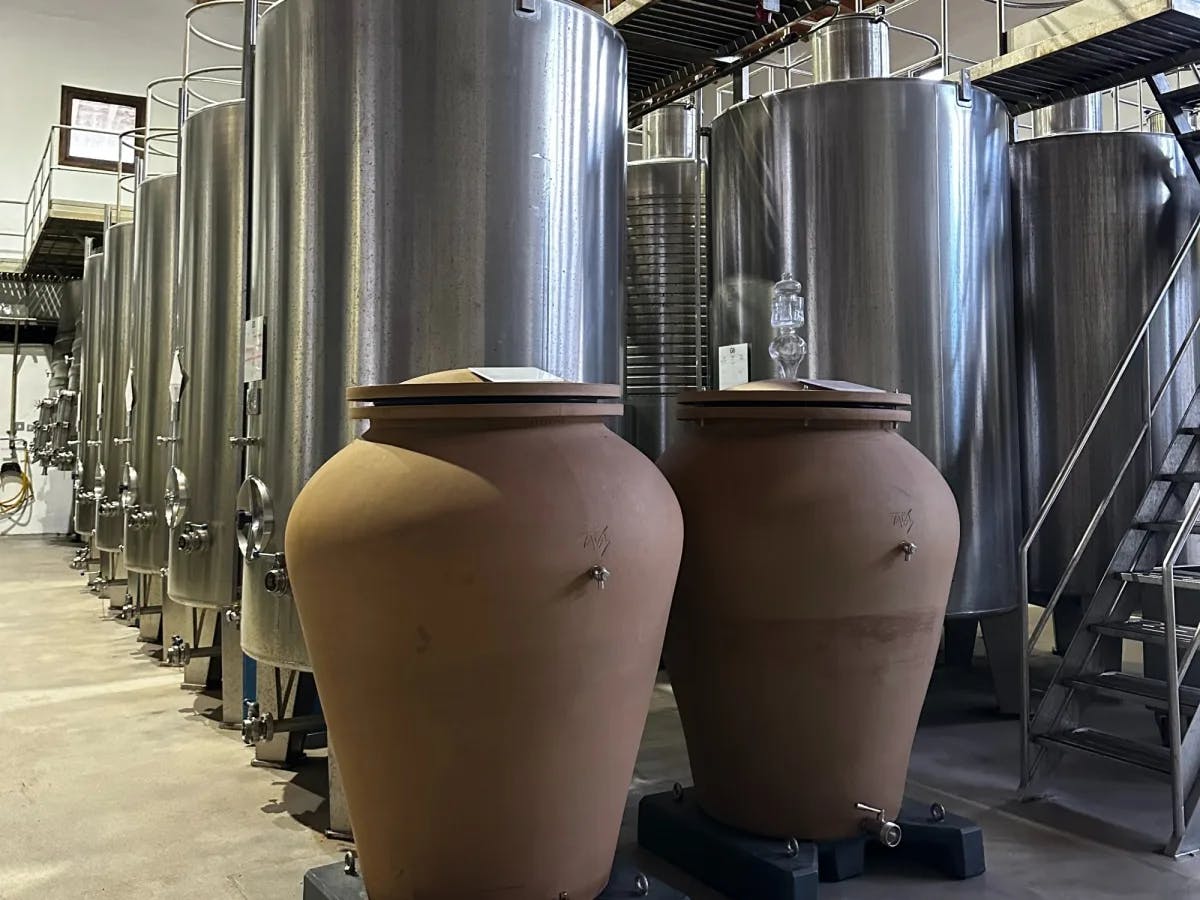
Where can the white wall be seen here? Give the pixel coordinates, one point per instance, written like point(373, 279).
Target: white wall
point(50, 511)
point(114, 45)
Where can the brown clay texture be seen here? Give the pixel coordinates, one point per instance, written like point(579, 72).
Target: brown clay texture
point(488, 697)
point(801, 642)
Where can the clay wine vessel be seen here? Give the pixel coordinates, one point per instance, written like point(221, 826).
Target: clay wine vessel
point(819, 554)
point(484, 580)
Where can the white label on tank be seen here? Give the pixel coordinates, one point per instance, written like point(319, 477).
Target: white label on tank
point(497, 374)
point(733, 366)
point(252, 353)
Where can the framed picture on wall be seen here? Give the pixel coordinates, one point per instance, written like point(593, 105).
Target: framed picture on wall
point(95, 120)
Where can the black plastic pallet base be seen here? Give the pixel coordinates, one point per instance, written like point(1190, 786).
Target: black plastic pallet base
point(672, 825)
point(333, 882)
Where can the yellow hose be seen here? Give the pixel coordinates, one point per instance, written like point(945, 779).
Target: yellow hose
point(23, 497)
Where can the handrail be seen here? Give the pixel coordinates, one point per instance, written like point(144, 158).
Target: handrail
point(1140, 339)
point(1174, 723)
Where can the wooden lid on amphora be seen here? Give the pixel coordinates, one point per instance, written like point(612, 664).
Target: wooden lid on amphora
point(806, 400)
point(484, 393)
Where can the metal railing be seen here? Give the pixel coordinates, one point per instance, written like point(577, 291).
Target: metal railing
point(37, 205)
point(1139, 343)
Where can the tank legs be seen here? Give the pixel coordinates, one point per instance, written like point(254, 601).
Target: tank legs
point(1002, 637)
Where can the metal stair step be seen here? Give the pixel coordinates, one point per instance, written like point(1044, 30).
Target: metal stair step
point(1179, 477)
point(1104, 745)
point(1186, 577)
point(1170, 526)
point(1123, 684)
point(1148, 631)
point(1184, 96)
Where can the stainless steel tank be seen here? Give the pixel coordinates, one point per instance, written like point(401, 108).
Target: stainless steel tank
point(115, 391)
point(666, 292)
point(64, 440)
point(203, 483)
point(89, 439)
point(155, 244)
point(416, 229)
point(1099, 218)
point(889, 200)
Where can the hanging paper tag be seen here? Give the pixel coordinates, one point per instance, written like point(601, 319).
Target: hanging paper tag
point(175, 385)
point(252, 352)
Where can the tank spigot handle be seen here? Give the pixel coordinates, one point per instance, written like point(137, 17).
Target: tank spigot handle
point(600, 575)
point(886, 831)
point(257, 729)
point(350, 862)
point(162, 440)
point(909, 549)
point(179, 653)
point(233, 616)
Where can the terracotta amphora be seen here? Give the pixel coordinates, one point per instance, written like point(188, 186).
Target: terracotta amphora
point(483, 581)
point(817, 565)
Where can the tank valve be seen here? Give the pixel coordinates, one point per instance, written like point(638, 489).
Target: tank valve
point(886, 831)
point(192, 538)
point(909, 549)
point(80, 560)
point(179, 653)
point(129, 611)
point(350, 862)
point(600, 575)
point(276, 580)
point(233, 616)
point(140, 519)
point(110, 508)
point(257, 729)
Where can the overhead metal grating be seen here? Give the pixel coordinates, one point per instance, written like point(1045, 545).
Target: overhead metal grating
point(677, 46)
point(1141, 39)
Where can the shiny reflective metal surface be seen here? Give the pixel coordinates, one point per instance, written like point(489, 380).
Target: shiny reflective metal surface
point(669, 132)
point(666, 339)
point(1077, 114)
point(115, 386)
point(65, 443)
point(1099, 218)
point(156, 242)
point(906, 265)
point(415, 229)
point(85, 470)
point(207, 467)
point(851, 46)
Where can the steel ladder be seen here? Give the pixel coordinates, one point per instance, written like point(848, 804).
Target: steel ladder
point(1148, 555)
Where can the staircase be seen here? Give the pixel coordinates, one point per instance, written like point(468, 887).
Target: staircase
point(1126, 41)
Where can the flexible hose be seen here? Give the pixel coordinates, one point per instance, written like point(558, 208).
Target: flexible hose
point(24, 495)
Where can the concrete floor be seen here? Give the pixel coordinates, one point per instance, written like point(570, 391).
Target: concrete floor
point(114, 783)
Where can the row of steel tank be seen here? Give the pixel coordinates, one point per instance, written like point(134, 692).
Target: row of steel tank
point(54, 433)
point(904, 209)
point(506, 252)
point(379, 255)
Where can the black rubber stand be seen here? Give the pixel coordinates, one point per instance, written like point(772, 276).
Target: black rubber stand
point(336, 882)
point(671, 825)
